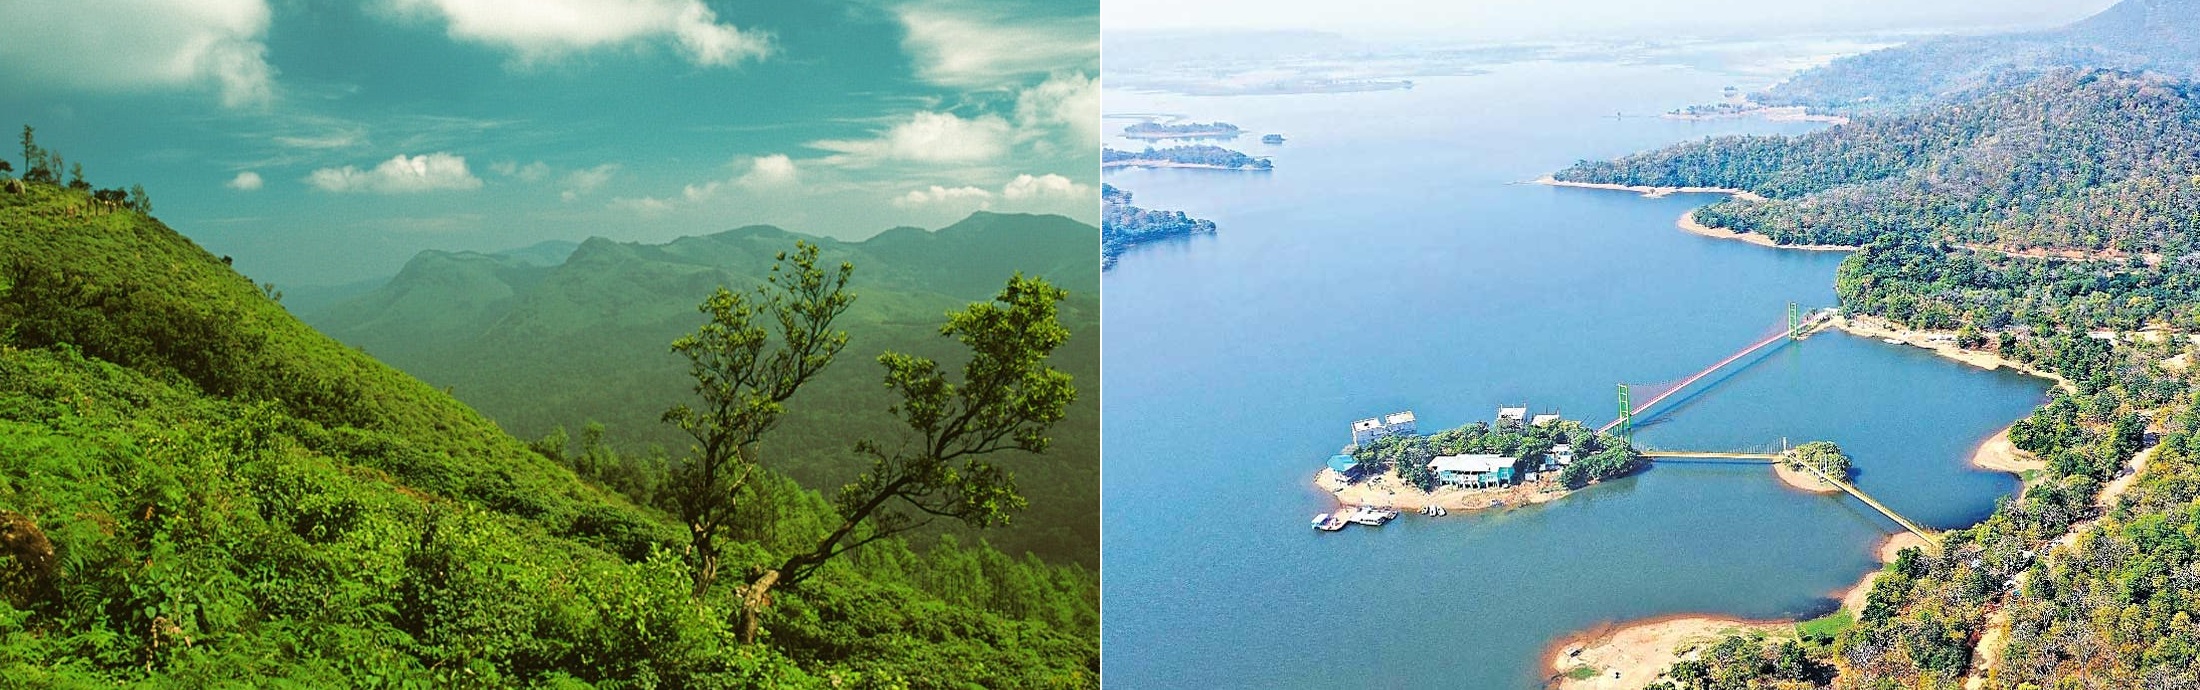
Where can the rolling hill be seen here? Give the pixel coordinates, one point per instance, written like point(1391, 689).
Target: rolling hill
point(537, 347)
point(199, 490)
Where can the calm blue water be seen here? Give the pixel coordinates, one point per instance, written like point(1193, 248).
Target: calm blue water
point(1391, 262)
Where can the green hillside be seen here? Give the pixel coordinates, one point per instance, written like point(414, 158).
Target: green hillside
point(540, 347)
point(2090, 160)
point(197, 490)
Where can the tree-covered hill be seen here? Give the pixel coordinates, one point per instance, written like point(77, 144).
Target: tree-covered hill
point(2089, 160)
point(198, 490)
point(537, 347)
point(2155, 35)
point(2089, 578)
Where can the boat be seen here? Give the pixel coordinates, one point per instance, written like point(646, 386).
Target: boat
point(1328, 522)
point(1891, 341)
point(1371, 515)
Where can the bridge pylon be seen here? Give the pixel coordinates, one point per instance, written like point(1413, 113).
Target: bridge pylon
point(1626, 413)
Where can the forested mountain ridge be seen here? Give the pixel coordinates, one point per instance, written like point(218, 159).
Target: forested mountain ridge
point(198, 490)
point(538, 347)
point(2051, 223)
point(2098, 161)
point(2154, 35)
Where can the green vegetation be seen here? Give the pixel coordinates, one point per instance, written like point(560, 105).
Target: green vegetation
point(1155, 130)
point(1825, 629)
point(2075, 160)
point(1597, 456)
point(2091, 169)
point(1822, 456)
point(1581, 672)
point(198, 490)
point(547, 344)
point(1199, 156)
point(1740, 662)
point(1123, 225)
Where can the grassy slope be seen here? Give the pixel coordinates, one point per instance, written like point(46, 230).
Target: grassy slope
point(587, 341)
point(234, 498)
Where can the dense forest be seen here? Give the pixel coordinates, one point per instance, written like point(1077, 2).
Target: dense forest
point(2155, 35)
point(551, 346)
point(1124, 225)
point(2089, 578)
point(1201, 155)
point(198, 490)
point(2096, 161)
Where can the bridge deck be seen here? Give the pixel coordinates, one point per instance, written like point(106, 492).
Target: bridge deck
point(1930, 536)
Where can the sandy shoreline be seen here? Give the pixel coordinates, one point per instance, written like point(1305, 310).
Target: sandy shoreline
point(1944, 345)
point(1649, 191)
point(1687, 222)
point(1997, 453)
point(1642, 650)
point(1388, 490)
point(1802, 481)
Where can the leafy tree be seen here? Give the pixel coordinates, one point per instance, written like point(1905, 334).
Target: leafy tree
point(1822, 456)
point(1007, 398)
point(743, 376)
point(76, 178)
point(139, 201)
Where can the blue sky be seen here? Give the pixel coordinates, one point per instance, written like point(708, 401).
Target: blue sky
point(327, 142)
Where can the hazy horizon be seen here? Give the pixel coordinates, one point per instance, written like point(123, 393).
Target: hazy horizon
point(1532, 20)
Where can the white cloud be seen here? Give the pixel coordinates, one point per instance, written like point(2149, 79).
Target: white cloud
point(1063, 100)
point(953, 47)
point(245, 181)
point(765, 172)
point(538, 29)
point(580, 182)
point(1049, 185)
point(927, 137)
point(942, 195)
point(402, 174)
point(768, 171)
point(123, 45)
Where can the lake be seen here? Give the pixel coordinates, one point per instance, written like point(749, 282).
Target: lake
point(1393, 260)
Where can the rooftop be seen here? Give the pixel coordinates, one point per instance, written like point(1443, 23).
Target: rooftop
point(1342, 463)
point(1405, 417)
point(1476, 463)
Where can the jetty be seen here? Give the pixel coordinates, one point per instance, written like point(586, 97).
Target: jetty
point(1931, 537)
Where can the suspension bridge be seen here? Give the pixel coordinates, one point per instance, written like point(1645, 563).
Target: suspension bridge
point(1798, 326)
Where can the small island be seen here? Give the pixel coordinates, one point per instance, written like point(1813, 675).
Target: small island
point(1189, 130)
point(1123, 225)
point(1206, 157)
point(1517, 459)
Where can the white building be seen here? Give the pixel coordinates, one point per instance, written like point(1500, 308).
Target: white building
point(1515, 416)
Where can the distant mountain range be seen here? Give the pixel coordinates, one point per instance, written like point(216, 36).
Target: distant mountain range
point(2154, 35)
point(561, 334)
